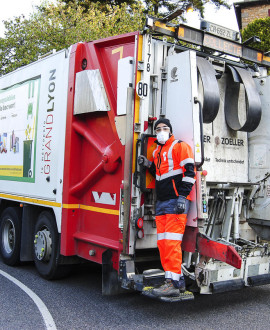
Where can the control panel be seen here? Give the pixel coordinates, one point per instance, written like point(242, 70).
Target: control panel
point(202, 201)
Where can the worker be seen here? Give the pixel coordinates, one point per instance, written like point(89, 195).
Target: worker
point(173, 167)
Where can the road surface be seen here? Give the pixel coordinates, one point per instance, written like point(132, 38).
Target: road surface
point(76, 303)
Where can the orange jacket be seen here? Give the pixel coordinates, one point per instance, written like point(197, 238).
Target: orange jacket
point(173, 167)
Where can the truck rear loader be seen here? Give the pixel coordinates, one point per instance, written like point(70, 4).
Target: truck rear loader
point(73, 124)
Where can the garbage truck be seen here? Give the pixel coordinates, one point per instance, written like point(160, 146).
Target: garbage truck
point(73, 124)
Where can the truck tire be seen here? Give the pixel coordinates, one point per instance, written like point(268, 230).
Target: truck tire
point(10, 235)
point(46, 248)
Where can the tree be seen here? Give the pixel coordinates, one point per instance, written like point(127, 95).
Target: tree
point(154, 5)
point(260, 28)
point(58, 27)
point(85, 4)
point(157, 5)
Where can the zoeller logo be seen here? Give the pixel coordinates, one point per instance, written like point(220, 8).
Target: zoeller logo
point(174, 74)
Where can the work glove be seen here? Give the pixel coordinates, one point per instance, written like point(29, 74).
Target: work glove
point(142, 160)
point(181, 205)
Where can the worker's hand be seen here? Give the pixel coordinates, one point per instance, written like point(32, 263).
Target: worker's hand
point(142, 160)
point(181, 205)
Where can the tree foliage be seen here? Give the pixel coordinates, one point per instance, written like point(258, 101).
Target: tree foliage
point(261, 29)
point(85, 4)
point(58, 27)
point(62, 23)
point(154, 5)
point(199, 5)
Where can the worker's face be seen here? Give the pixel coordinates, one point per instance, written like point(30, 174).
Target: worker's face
point(163, 133)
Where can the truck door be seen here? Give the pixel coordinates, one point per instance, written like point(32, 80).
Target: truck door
point(183, 110)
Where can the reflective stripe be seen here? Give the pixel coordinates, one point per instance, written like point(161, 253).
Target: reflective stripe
point(155, 151)
point(171, 171)
point(174, 236)
point(172, 275)
point(170, 159)
point(170, 236)
point(169, 174)
point(30, 200)
point(160, 236)
point(188, 179)
point(187, 161)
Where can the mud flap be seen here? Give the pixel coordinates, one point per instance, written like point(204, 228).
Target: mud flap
point(30, 214)
point(110, 282)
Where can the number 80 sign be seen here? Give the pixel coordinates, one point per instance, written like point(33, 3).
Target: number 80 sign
point(142, 89)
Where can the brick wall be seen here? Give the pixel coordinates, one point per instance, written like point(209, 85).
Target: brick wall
point(254, 12)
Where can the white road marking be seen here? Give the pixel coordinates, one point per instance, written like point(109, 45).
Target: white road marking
point(47, 317)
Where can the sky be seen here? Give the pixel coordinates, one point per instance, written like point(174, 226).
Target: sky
point(222, 17)
point(13, 8)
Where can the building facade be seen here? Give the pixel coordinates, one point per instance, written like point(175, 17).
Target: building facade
point(249, 10)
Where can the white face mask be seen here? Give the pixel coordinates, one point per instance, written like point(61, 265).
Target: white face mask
point(162, 137)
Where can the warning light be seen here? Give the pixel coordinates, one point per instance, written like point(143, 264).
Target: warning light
point(140, 233)
point(204, 173)
point(139, 223)
point(189, 9)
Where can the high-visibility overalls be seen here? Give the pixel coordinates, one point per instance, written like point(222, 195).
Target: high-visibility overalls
point(173, 164)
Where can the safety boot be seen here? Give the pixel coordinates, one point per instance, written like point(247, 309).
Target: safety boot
point(182, 284)
point(166, 290)
point(184, 294)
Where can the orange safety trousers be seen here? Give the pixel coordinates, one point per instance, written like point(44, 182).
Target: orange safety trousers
point(170, 231)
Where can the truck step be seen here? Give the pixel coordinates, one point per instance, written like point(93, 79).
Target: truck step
point(147, 292)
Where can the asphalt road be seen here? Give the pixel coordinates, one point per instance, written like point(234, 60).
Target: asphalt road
point(76, 303)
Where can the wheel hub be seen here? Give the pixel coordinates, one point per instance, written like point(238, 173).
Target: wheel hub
point(8, 236)
point(43, 245)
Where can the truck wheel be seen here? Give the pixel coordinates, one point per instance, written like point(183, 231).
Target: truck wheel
point(10, 236)
point(46, 248)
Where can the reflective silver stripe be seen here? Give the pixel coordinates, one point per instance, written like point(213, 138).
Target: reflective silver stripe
point(160, 236)
point(170, 159)
point(174, 236)
point(188, 179)
point(155, 151)
point(172, 275)
point(170, 236)
point(169, 174)
point(187, 161)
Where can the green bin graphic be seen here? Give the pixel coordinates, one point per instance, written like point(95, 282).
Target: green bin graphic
point(27, 156)
point(30, 110)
